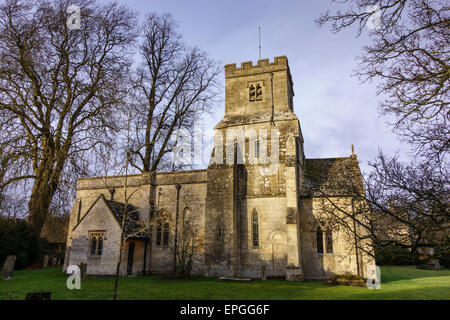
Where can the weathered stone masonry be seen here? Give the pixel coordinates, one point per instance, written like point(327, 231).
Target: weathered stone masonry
point(248, 214)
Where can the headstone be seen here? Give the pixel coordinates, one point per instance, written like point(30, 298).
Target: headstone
point(83, 269)
point(8, 268)
point(58, 262)
point(263, 273)
point(38, 296)
point(294, 273)
point(53, 261)
point(45, 263)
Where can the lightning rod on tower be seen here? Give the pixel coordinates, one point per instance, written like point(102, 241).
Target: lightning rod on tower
point(259, 30)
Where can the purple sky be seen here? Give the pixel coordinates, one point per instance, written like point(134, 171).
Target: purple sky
point(334, 109)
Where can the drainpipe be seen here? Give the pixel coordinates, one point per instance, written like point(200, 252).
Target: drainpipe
point(175, 249)
point(271, 90)
point(145, 255)
point(354, 233)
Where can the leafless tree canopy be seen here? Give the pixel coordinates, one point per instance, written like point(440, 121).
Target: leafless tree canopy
point(416, 196)
point(403, 204)
point(410, 55)
point(173, 86)
point(58, 88)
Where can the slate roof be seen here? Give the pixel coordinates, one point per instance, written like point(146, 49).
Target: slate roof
point(132, 224)
point(332, 176)
point(131, 220)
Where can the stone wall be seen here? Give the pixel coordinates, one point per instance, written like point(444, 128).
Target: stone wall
point(223, 199)
point(322, 265)
point(159, 259)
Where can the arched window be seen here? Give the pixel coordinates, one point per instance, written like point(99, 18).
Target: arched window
point(93, 246)
point(319, 238)
point(158, 235)
point(100, 246)
point(96, 246)
point(166, 234)
point(329, 241)
point(257, 146)
point(255, 229)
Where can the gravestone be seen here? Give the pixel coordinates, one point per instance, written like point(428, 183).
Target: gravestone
point(8, 268)
point(83, 269)
point(53, 261)
point(45, 263)
point(38, 296)
point(263, 273)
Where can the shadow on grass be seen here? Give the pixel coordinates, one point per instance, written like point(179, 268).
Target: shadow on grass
point(398, 273)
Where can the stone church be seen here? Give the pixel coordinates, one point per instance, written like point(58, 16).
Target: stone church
point(250, 215)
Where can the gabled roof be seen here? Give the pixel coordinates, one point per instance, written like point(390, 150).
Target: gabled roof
point(131, 218)
point(117, 209)
point(332, 176)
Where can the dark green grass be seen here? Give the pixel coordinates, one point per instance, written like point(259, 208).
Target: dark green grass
point(397, 282)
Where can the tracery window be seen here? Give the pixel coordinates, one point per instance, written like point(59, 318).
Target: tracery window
point(96, 242)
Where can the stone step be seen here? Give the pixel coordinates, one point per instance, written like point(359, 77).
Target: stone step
point(234, 279)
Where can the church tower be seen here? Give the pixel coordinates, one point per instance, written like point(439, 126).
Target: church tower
point(255, 174)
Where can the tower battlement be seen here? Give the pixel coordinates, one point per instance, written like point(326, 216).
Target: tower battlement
point(263, 88)
point(262, 66)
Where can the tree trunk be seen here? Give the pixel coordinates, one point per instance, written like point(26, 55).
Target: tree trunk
point(39, 204)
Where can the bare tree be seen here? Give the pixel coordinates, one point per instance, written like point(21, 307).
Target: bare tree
point(187, 245)
point(59, 86)
point(410, 55)
point(402, 204)
point(174, 85)
point(131, 224)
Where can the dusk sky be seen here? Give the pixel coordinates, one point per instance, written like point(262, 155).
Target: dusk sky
point(334, 109)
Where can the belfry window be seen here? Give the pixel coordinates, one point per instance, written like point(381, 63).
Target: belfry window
point(258, 92)
point(255, 229)
point(252, 93)
point(96, 243)
point(255, 92)
point(329, 241)
point(319, 238)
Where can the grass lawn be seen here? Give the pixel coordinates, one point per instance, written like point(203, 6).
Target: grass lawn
point(397, 282)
